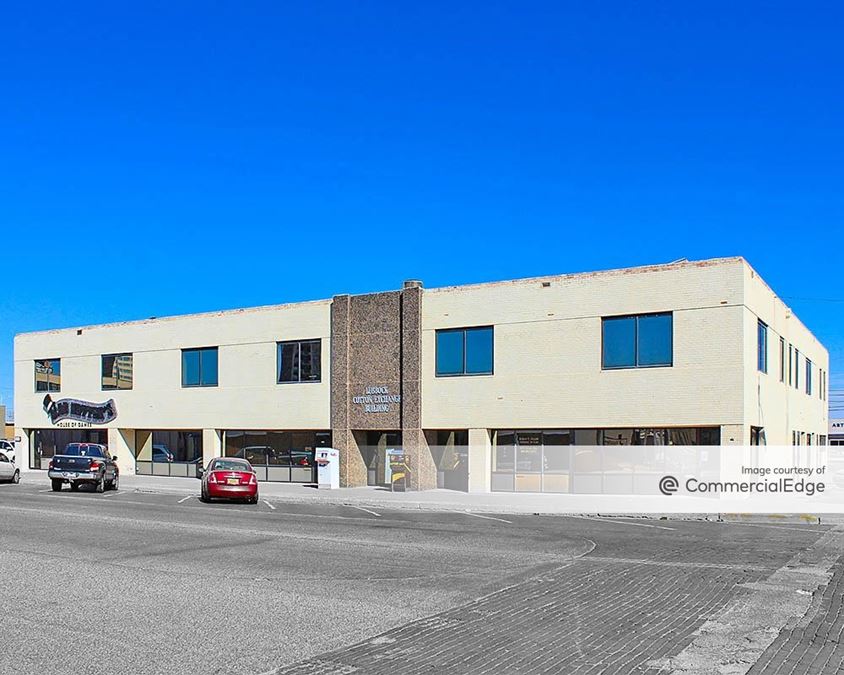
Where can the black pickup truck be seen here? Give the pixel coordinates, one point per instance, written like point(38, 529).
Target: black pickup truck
point(84, 463)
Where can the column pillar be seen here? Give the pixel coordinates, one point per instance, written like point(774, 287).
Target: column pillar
point(423, 471)
point(212, 445)
point(480, 460)
point(352, 468)
point(121, 442)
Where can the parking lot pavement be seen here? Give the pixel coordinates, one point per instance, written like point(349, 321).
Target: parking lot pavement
point(181, 586)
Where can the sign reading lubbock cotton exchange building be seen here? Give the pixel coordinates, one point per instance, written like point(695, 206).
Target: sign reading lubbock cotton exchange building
point(377, 400)
point(489, 387)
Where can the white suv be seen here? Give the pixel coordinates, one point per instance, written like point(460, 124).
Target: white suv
point(9, 473)
point(7, 448)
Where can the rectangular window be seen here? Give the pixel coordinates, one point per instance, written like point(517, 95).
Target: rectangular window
point(48, 375)
point(465, 351)
point(762, 346)
point(790, 365)
point(199, 367)
point(782, 359)
point(116, 371)
point(808, 377)
point(640, 341)
point(796, 369)
point(299, 361)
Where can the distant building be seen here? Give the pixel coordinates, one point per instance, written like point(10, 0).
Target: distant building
point(836, 432)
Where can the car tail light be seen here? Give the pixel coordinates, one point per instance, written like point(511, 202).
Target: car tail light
point(252, 479)
point(95, 466)
point(212, 478)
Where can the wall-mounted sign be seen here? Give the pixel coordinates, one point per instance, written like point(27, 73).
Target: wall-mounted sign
point(79, 411)
point(377, 400)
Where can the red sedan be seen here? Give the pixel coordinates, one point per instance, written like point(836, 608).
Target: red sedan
point(229, 478)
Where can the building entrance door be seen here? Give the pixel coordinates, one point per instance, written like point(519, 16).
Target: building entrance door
point(374, 451)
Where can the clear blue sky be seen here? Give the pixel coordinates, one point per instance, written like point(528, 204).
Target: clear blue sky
point(171, 158)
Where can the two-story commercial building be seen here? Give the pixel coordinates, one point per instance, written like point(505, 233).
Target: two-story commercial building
point(487, 387)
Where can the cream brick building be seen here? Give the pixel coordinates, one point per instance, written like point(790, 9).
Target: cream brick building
point(482, 387)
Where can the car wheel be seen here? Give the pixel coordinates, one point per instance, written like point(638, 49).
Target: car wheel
point(57, 485)
point(203, 497)
point(74, 486)
point(17, 477)
point(100, 485)
point(254, 500)
point(116, 482)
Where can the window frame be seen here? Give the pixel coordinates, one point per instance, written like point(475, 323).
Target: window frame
point(808, 383)
point(200, 350)
point(636, 318)
point(761, 346)
point(782, 359)
point(278, 349)
point(464, 330)
point(115, 355)
point(35, 377)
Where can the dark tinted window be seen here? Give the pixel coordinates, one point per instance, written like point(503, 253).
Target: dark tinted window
point(77, 450)
point(762, 347)
point(48, 375)
point(450, 352)
point(300, 361)
point(465, 351)
point(641, 341)
point(116, 371)
point(199, 367)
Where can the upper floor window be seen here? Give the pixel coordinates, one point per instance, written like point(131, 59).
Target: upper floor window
point(199, 367)
point(782, 359)
point(790, 364)
point(762, 346)
point(465, 351)
point(808, 377)
point(639, 341)
point(299, 361)
point(116, 371)
point(48, 375)
point(796, 368)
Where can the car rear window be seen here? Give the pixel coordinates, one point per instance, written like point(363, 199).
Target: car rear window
point(77, 450)
point(231, 465)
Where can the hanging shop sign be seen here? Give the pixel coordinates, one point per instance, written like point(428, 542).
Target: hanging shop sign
point(83, 412)
point(377, 400)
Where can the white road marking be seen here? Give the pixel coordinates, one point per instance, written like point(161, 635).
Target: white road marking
point(478, 515)
point(623, 522)
point(268, 504)
point(360, 508)
point(47, 490)
point(184, 499)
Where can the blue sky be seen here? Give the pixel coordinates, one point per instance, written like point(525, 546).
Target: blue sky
point(172, 157)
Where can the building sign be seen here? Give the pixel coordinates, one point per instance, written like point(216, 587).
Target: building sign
point(377, 400)
point(79, 411)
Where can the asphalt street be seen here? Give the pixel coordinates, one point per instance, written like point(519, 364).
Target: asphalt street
point(138, 582)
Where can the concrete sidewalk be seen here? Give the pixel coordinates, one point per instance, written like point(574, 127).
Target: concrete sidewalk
point(450, 500)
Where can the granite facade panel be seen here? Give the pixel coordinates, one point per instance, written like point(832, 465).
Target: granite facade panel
point(376, 344)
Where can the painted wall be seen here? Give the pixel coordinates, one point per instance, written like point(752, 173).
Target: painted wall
point(769, 402)
point(247, 397)
point(548, 350)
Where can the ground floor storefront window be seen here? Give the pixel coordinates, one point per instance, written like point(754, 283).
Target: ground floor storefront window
point(283, 456)
point(169, 452)
point(450, 452)
point(44, 443)
point(568, 460)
